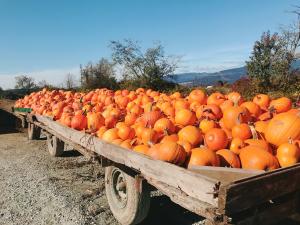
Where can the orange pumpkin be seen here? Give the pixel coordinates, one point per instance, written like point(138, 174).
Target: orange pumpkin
point(79, 122)
point(228, 158)
point(168, 151)
point(216, 98)
point(213, 112)
point(125, 132)
point(236, 145)
point(110, 135)
point(253, 109)
point(281, 105)
point(149, 136)
point(185, 117)
point(288, 154)
point(241, 131)
point(282, 127)
point(216, 139)
point(172, 137)
point(203, 157)
point(253, 157)
point(95, 121)
point(190, 134)
point(164, 125)
point(197, 96)
point(143, 149)
point(262, 101)
point(235, 115)
point(207, 124)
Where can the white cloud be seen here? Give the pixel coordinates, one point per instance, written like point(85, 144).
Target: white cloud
point(52, 76)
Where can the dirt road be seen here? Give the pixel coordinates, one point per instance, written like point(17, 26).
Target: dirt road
point(38, 189)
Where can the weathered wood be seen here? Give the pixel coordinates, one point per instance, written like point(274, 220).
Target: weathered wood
point(271, 215)
point(224, 174)
point(79, 148)
point(194, 205)
point(248, 192)
point(193, 184)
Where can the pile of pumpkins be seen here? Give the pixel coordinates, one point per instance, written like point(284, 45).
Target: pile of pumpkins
point(193, 130)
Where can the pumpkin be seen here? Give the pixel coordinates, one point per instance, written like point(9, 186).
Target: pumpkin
point(241, 131)
point(126, 144)
point(207, 124)
point(197, 96)
point(164, 125)
point(150, 118)
point(125, 132)
point(216, 98)
point(190, 134)
point(143, 149)
point(216, 139)
point(235, 115)
point(79, 122)
point(235, 97)
point(95, 121)
point(228, 158)
point(236, 145)
point(149, 136)
point(253, 157)
point(110, 135)
point(186, 145)
point(281, 104)
point(185, 117)
point(288, 154)
point(262, 101)
point(203, 157)
point(259, 143)
point(130, 119)
point(282, 127)
point(168, 151)
point(212, 111)
point(101, 131)
point(253, 109)
point(172, 137)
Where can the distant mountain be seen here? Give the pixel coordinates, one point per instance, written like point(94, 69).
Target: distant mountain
point(230, 76)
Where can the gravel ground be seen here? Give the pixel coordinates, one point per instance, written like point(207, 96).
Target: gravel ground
point(37, 189)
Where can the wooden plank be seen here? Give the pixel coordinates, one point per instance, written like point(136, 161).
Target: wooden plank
point(273, 214)
point(193, 184)
point(248, 192)
point(225, 174)
point(194, 205)
point(77, 147)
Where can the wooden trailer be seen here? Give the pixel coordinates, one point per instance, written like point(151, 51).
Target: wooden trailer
point(220, 195)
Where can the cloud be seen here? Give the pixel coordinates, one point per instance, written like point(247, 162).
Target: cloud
point(52, 76)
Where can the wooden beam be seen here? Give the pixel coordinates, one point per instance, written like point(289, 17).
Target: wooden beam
point(191, 183)
point(225, 174)
point(246, 193)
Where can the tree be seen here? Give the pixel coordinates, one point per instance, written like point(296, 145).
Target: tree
point(43, 84)
point(270, 64)
point(70, 81)
point(24, 82)
point(99, 75)
point(146, 69)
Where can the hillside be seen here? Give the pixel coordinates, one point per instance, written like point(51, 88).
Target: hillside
point(230, 75)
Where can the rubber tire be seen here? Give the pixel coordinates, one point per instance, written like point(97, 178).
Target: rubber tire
point(55, 146)
point(137, 205)
point(34, 132)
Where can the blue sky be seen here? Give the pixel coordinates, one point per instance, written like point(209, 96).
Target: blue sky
point(47, 39)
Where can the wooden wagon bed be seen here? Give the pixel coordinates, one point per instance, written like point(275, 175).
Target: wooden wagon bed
point(221, 195)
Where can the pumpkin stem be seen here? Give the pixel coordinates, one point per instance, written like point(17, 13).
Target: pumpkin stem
point(254, 132)
point(236, 102)
point(290, 140)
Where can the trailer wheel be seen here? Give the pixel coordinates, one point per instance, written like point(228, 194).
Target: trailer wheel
point(34, 132)
point(128, 199)
point(55, 145)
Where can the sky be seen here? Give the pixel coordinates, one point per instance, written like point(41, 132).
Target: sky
point(48, 39)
